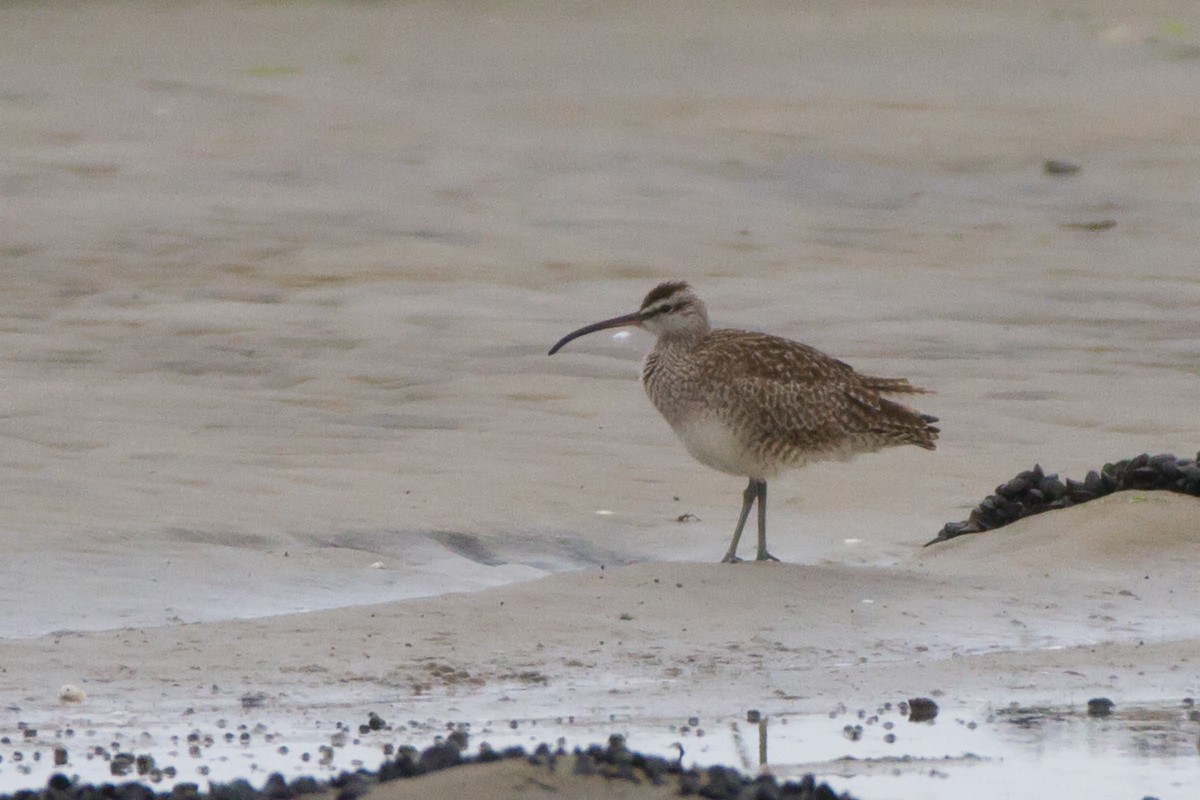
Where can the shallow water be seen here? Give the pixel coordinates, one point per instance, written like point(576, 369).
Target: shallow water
point(989, 753)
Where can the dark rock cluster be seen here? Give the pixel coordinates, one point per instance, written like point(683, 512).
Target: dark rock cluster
point(1033, 491)
point(612, 762)
point(616, 762)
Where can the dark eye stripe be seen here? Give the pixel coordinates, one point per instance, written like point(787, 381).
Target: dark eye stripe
point(667, 308)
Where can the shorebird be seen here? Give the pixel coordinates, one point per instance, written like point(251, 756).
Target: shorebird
point(755, 405)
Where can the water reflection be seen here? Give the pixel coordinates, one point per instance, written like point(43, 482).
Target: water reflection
point(1059, 750)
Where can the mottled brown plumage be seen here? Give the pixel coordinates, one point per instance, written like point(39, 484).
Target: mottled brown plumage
point(755, 405)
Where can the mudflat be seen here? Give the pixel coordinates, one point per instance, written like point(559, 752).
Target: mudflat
point(282, 446)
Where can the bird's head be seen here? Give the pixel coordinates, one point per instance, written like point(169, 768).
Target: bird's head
point(671, 310)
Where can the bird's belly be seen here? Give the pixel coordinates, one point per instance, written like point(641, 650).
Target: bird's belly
point(714, 443)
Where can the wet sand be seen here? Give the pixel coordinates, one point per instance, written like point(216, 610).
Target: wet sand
point(280, 279)
point(1092, 601)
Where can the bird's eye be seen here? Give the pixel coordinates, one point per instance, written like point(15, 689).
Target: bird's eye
point(665, 308)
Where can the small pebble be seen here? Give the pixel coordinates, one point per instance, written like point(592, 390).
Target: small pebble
point(253, 700)
point(921, 709)
point(70, 693)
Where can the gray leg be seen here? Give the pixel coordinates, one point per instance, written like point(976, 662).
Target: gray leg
point(763, 555)
point(748, 498)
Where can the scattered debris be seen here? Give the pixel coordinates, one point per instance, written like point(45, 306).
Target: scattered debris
point(1054, 166)
point(1095, 225)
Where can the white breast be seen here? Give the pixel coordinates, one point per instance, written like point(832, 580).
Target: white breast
point(713, 443)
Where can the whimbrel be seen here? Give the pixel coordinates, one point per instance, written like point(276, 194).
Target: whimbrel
point(754, 405)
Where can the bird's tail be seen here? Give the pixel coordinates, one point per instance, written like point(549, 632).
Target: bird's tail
point(903, 425)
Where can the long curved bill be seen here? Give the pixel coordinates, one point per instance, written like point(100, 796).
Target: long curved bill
point(616, 322)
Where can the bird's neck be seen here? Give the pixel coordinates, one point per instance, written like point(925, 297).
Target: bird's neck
point(679, 342)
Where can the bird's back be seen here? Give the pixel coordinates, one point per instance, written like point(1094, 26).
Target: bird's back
point(754, 404)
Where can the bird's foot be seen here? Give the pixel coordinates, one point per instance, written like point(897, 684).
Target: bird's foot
point(763, 555)
point(730, 558)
